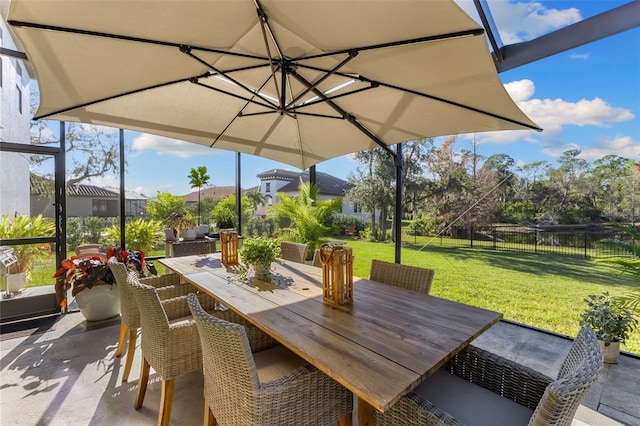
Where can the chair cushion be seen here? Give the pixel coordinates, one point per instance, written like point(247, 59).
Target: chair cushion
point(276, 362)
point(471, 404)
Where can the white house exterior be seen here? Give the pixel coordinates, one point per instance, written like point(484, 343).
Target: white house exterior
point(14, 125)
point(288, 182)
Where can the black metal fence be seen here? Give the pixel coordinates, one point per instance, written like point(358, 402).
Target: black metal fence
point(567, 241)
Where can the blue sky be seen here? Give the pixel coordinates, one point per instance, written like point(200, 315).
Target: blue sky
point(587, 98)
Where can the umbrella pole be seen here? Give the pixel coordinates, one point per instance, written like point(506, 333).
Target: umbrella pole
point(397, 216)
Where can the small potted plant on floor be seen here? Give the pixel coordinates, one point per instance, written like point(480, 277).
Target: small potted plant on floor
point(611, 321)
point(259, 253)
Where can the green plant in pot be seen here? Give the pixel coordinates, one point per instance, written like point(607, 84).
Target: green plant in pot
point(259, 253)
point(27, 254)
point(611, 321)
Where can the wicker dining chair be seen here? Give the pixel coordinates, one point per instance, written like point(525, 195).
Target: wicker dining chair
point(405, 276)
point(315, 261)
point(295, 252)
point(167, 286)
point(270, 387)
point(481, 388)
point(88, 250)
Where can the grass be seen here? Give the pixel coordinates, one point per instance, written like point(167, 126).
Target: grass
point(544, 291)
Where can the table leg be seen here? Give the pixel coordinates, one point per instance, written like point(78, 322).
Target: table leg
point(365, 414)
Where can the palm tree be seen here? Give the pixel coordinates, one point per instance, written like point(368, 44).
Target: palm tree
point(256, 199)
point(306, 215)
point(198, 178)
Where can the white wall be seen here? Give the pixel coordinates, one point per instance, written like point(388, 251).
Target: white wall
point(14, 127)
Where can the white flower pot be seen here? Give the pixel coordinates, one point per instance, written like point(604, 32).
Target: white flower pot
point(610, 352)
point(16, 282)
point(99, 302)
point(189, 234)
point(201, 231)
point(169, 234)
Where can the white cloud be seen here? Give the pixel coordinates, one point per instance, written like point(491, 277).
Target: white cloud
point(168, 146)
point(553, 114)
point(623, 146)
point(523, 21)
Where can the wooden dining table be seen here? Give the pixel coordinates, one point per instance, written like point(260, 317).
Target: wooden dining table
point(380, 346)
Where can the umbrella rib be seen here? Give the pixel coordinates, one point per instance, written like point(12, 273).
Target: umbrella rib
point(108, 98)
point(330, 98)
point(426, 95)
point(264, 26)
point(327, 74)
point(224, 92)
point(187, 51)
point(456, 34)
point(349, 117)
point(234, 119)
point(128, 38)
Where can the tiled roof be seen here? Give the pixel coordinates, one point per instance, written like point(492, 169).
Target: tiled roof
point(90, 191)
point(280, 174)
point(215, 192)
point(327, 184)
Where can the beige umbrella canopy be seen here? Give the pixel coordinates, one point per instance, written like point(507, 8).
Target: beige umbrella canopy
point(294, 81)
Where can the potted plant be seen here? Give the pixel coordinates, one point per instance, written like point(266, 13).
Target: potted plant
point(173, 225)
point(189, 227)
point(259, 253)
point(27, 254)
point(92, 283)
point(611, 321)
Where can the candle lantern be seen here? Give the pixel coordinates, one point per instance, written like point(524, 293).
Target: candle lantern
point(337, 274)
point(229, 246)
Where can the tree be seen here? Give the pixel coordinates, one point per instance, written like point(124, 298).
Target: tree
point(198, 178)
point(164, 205)
point(224, 213)
point(256, 199)
point(306, 214)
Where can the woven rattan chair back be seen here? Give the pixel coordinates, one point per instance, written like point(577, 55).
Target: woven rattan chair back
point(295, 252)
point(579, 371)
point(170, 348)
point(88, 250)
point(233, 391)
point(405, 276)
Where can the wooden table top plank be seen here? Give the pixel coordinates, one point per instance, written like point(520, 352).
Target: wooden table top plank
point(377, 380)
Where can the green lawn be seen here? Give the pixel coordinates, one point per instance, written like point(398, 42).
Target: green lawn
point(544, 291)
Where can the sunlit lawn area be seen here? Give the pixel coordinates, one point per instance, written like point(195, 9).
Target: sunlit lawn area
point(544, 291)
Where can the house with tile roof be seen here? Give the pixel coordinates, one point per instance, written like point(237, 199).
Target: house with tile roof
point(288, 182)
point(215, 192)
point(85, 200)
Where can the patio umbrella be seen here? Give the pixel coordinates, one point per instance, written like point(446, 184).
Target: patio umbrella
point(294, 81)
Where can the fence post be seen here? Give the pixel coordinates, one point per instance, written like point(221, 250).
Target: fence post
point(535, 241)
point(586, 256)
point(471, 235)
point(495, 242)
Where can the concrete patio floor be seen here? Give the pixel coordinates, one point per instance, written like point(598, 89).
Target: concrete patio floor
point(65, 373)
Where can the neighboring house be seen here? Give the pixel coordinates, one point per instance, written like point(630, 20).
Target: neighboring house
point(15, 75)
point(86, 200)
point(215, 192)
point(288, 182)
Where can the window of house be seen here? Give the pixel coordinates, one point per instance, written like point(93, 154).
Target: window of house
point(357, 208)
point(18, 98)
point(267, 187)
point(105, 208)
